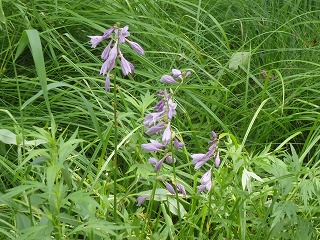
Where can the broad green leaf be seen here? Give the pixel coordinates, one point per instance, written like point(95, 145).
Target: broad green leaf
point(239, 58)
point(8, 137)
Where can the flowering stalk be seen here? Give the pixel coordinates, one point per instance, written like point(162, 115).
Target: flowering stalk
point(159, 123)
point(111, 54)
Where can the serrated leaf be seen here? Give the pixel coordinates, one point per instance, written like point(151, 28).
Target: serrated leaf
point(239, 58)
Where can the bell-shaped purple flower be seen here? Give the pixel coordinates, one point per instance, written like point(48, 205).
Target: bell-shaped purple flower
point(106, 51)
point(171, 108)
point(170, 188)
point(177, 144)
point(141, 200)
point(158, 165)
point(199, 159)
point(136, 47)
point(126, 66)
point(206, 182)
point(176, 73)
point(166, 137)
point(153, 146)
point(156, 129)
point(168, 79)
point(152, 118)
point(181, 189)
point(153, 161)
point(95, 40)
point(107, 33)
point(123, 33)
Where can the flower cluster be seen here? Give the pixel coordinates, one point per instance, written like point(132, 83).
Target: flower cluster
point(159, 123)
point(112, 51)
point(200, 159)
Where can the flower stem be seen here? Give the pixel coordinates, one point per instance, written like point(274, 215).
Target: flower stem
point(115, 144)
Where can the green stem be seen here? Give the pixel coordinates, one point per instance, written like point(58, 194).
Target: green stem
point(115, 143)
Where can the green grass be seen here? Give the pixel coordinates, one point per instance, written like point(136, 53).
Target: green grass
point(265, 109)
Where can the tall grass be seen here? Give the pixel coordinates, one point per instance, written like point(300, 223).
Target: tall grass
point(56, 120)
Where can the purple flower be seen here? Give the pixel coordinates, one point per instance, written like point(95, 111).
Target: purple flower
point(205, 182)
point(158, 165)
point(126, 66)
point(199, 159)
point(152, 118)
point(168, 79)
point(107, 84)
point(107, 33)
point(156, 129)
point(95, 40)
point(181, 189)
point(214, 138)
point(109, 64)
point(122, 33)
point(169, 158)
point(153, 146)
point(160, 106)
point(171, 108)
point(136, 47)
point(170, 188)
point(166, 137)
point(141, 199)
point(176, 73)
point(106, 51)
point(177, 144)
point(153, 161)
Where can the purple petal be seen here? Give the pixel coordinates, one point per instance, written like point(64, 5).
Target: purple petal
point(177, 144)
point(159, 106)
point(153, 161)
point(106, 51)
point(108, 33)
point(125, 66)
point(168, 79)
point(107, 84)
point(95, 40)
point(152, 118)
point(181, 189)
point(206, 177)
point(169, 188)
point(155, 129)
point(123, 34)
point(198, 157)
point(136, 47)
point(158, 165)
point(172, 109)
point(141, 199)
point(153, 146)
point(169, 159)
point(176, 73)
point(166, 137)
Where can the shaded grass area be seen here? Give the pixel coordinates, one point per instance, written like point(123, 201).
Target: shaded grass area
point(63, 188)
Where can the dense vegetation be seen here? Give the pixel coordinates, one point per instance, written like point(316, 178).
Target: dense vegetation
point(66, 171)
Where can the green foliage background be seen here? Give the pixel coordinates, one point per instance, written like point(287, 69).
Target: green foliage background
point(263, 102)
